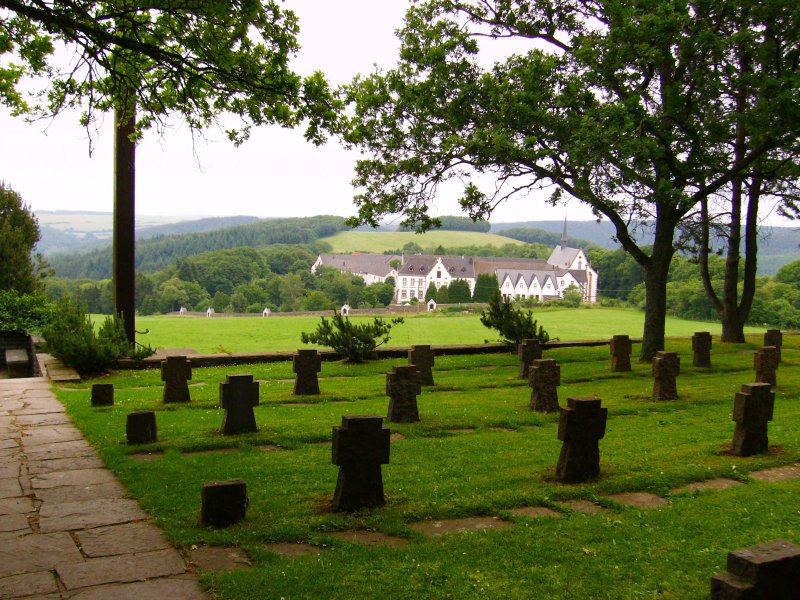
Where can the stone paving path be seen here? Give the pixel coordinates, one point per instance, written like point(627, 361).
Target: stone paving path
point(66, 528)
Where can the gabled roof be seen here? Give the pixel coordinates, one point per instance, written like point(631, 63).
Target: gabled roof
point(372, 264)
point(458, 267)
point(485, 265)
point(563, 256)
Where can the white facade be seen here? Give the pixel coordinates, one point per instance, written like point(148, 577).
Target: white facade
point(414, 284)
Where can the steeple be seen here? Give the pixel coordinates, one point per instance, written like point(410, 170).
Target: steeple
point(564, 234)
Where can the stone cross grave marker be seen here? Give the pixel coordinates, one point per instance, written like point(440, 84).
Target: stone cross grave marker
point(360, 447)
point(140, 427)
point(223, 503)
point(306, 364)
point(528, 351)
point(581, 426)
point(701, 349)
point(766, 361)
point(666, 368)
point(176, 371)
point(752, 412)
point(238, 395)
point(103, 394)
point(545, 377)
point(421, 356)
point(621, 349)
point(766, 571)
point(403, 387)
point(774, 337)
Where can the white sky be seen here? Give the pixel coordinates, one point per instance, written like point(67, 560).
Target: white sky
point(275, 173)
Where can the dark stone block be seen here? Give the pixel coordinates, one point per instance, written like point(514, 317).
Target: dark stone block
point(666, 368)
point(140, 427)
point(421, 357)
point(581, 426)
point(768, 571)
point(774, 337)
point(701, 349)
point(176, 371)
point(752, 412)
point(238, 395)
point(103, 394)
point(766, 361)
point(402, 387)
point(223, 503)
point(528, 351)
point(360, 446)
point(306, 364)
point(544, 379)
point(621, 349)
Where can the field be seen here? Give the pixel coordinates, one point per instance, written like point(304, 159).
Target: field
point(380, 241)
point(258, 334)
point(478, 451)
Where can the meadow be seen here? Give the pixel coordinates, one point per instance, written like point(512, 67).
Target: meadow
point(477, 451)
point(381, 241)
point(259, 334)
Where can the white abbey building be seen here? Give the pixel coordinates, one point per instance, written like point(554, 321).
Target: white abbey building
point(518, 277)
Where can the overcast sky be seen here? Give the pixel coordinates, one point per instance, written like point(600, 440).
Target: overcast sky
point(275, 173)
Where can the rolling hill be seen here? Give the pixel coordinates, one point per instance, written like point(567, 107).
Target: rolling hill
point(381, 241)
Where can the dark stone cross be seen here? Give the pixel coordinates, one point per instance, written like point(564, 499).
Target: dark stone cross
point(103, 394)
point(701, 348)
point(766, 361)
point(360, 447)
point(306, 364)
point(544, 379)
point(666, 368)
point(752, 412)
point(140, 427)
point(176, 371)
point(581, 426)
point(402, 387)
point(528, 351)
point(768, 571)
point(774, 337)
point(621, 349)
point(238, 395)
point(223, 503)
point(422, 358)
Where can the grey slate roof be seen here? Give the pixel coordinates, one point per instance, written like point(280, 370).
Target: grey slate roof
point(563, 256)
point(491, 264)
point(373, 264)
point(421, 264)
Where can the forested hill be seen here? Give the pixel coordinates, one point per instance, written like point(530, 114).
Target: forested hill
point(161, 251)
point(531, 235)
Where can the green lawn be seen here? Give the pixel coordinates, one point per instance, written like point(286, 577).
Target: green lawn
point(478, 450)
point(245, 334)
point(380, 241)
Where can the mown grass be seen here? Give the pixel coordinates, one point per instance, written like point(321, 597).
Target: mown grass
point(381, 241)
point(258, 334)
point(478, 450)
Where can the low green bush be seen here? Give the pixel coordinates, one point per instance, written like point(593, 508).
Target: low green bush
point(513, 323)
point(353, 342)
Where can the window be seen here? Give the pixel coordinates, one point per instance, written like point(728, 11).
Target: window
point(403, 281)
point(404, 294)
point(438, 274)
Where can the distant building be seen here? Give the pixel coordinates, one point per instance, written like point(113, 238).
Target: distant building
point(517, 277)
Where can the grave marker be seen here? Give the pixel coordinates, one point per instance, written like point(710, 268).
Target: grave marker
point(306, 364)
point(528, 351)
point(176, 371)
point(666, 367)
point(140, 427)
point(766, 361)
point(421, 356)
point(767, 571)
point(238, 395)
point(360, 446)
point(402, 387)
point(581, 426)
point(103, 394)
point(545, 377)
point(774, 337)
point(621, 349)
point(223, 503)
point(752, 412)
point(701, 349)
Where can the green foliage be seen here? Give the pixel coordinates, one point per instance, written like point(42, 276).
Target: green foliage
point(513, 323)
point(443, 295)
point(789, 274)
point(572, 297)
point(532, 235)
point(457, 223)
point(352, 341)
point(486, 285)
point(458, 291)
point(24, 313)
point(430, 293)
point(19, 232)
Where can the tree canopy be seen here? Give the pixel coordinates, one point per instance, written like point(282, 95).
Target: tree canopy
point(19, 232)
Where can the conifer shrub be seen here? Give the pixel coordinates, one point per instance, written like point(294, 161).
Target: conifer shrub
point(512, 322)
point(353, 342)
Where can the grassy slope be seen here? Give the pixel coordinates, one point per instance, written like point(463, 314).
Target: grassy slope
point(440, 472)
point(245, 334)
point(379, 241)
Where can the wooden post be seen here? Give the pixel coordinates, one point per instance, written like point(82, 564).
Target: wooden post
point(125, 219)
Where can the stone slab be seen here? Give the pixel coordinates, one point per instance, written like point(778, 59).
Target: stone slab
point(38, 436)
point(89, 513)
point(535, 512)
point(584, 506)
point(18, 522)
point(219, 558)
point(639, 499)
point(437, 528)
point(777, 473)
point(292, 548)
point(9, 469)
point(39, 467)
point(80, 477)
point(28, 584)
point(16, 506)
point(121, 539)
point(370, 538)
point(60, 450)
point(121, 569)
point(75, 493)
point(43, 419)
point(10, 487)
point(720, 483)
point(157, 589)
point(38, 553)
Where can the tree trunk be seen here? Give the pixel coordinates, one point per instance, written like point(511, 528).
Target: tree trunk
point(732, 327)
point(125, 219)
point(656, 273)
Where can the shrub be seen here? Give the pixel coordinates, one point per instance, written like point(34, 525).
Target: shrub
point(24, 313)
point(514, 324)
point(353, 342)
